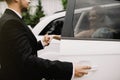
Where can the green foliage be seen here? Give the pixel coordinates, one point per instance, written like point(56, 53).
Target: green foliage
point(64, 2)
point(32, 20)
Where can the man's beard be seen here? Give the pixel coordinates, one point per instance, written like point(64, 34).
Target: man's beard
point(24, 10)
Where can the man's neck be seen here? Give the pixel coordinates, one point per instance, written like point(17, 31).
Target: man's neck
point(16, 8)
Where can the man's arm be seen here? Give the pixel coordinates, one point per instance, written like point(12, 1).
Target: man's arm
point(22, 50)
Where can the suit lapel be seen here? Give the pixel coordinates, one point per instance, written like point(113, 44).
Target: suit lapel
point(29, 32)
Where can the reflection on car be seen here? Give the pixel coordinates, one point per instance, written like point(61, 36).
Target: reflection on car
point(96, 24)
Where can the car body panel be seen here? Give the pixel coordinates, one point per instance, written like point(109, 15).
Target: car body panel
point(50, 52)
point(104, 67)
point(89, 47)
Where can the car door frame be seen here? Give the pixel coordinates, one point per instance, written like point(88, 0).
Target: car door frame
point(68, 23)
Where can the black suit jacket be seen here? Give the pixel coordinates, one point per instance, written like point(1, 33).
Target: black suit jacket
point(18, 53)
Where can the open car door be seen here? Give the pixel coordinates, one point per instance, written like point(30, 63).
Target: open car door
point(97, 46)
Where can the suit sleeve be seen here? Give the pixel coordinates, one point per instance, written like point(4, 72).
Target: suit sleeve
point(39, 45)
point(20, 46)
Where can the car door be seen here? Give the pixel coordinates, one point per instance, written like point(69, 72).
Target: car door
point(102, 53)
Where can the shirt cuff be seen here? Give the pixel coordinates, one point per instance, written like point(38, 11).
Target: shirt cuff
point(73, 76)
point(42, 43)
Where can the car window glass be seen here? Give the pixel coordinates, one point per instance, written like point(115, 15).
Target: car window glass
point(76, 17)
point(100, 21)
point(53, 27)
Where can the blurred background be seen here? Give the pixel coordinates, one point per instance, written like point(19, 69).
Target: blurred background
point(38, 9)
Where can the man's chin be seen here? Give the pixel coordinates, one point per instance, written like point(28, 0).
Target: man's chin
point(24, 10)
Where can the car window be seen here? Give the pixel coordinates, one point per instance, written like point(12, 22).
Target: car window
point(76, 17)
point(114, 14)
point(98, 21)
point(53, 27)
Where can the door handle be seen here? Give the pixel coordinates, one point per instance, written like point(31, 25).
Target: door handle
point(88, 63)
point(94, 68)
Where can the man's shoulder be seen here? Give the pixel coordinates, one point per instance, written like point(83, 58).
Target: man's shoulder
point(9, 15)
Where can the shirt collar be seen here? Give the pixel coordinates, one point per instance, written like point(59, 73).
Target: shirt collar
point(16, 12)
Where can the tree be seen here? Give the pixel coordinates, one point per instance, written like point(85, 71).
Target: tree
point(64, 2)
point(32, 20)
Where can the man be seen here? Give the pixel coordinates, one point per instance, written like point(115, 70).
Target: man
point(18, 50)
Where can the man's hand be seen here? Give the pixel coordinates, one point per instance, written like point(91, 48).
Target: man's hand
point(81, 70)
point(46, 40)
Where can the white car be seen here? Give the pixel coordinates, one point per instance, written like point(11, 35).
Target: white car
point(103, 54)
